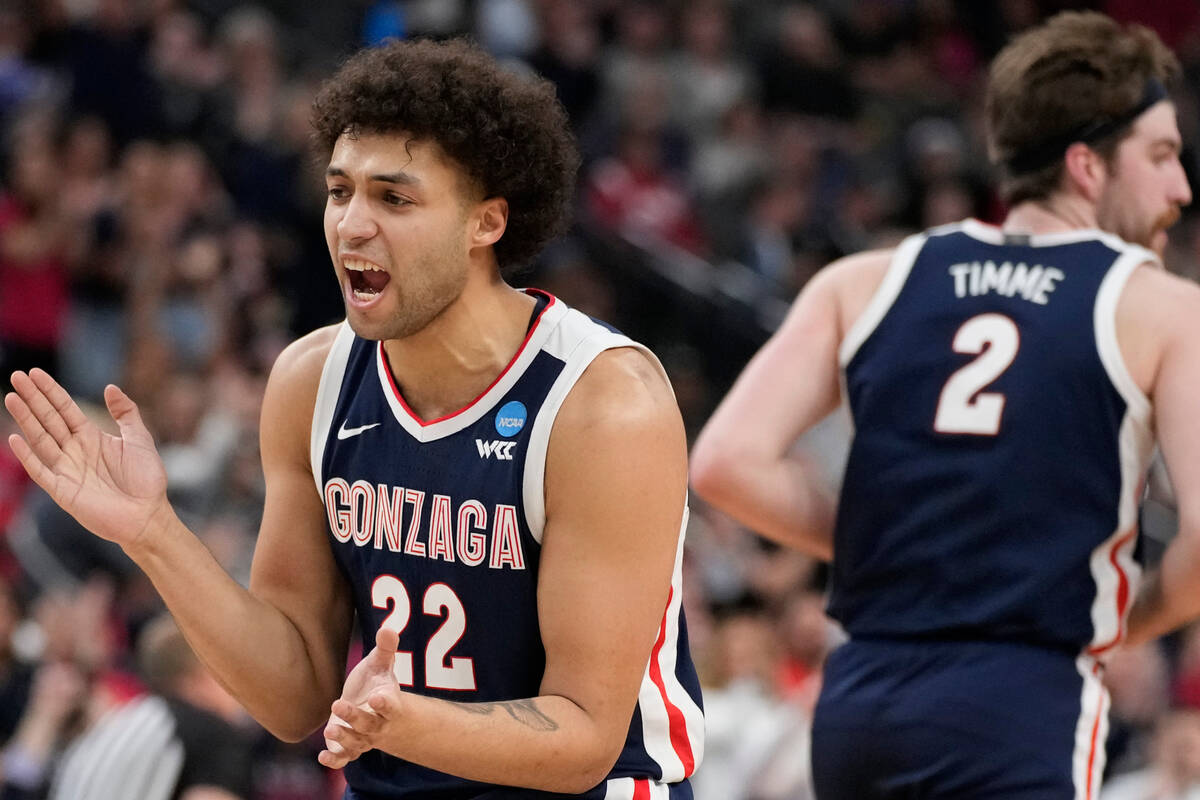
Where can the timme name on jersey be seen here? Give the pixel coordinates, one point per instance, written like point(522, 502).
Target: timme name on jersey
point(1032, 283)
point(438, 527)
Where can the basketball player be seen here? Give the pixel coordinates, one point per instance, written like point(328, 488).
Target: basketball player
point(493, 483)
point(1006, 385)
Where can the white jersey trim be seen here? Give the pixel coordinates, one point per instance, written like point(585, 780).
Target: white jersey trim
point(626, 789)
point(1112, 564)
point(994, 235)
point(547, 323)
point(1091, 731)
point(670, 717)
point(576, 340)
point(1115, 571)
point(328, 392)
point(881, 302)
point(1105, 322)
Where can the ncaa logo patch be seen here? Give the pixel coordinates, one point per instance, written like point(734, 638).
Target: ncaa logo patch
point(511, 418)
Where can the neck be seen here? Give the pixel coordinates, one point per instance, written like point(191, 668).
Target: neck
point(1054, 214)
point(446, 365)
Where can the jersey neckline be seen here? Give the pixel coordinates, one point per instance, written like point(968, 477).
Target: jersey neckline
point(994, 234)
point(447, 424)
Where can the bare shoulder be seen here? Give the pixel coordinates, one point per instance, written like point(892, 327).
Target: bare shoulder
point(1150, 284)
point(301, 361)
point(1158, 303)
point(861, 267)
point(622, 386)
point(291, 392)
point(1158, 312)
point(844, 288)
point(856, 277)
point(619, 433)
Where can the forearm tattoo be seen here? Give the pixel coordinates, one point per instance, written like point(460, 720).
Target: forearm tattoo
point(525, 712)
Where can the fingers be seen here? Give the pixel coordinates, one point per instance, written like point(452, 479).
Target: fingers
point(353, 730)
point(59, 399)
point(125, 413)
point(387, 640)
point(333, 760)
point(43, 426)
point(33, 465)
point(360, 719)
point(343, 743)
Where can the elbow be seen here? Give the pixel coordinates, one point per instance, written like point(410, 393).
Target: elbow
point(288, 732)
point(708, 470)
point(295, 727)
point(590, 774)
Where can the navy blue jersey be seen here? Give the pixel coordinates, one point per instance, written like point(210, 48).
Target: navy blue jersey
point(1000, 443)
point(437, 526)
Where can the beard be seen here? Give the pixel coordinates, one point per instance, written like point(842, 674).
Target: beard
point(1155, 238)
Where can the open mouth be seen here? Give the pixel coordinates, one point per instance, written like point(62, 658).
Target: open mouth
point(366, 279)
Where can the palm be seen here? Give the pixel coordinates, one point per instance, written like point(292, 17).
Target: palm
point(111, 484)
point(371, 674)
point(108, 483)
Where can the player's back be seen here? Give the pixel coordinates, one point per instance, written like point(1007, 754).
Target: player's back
point(999, 443)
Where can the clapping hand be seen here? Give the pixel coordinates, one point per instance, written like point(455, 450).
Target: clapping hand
point(368, 698)
point(114, 485)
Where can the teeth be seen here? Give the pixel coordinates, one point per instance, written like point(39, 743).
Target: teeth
point(364, 296)
point(361, 266)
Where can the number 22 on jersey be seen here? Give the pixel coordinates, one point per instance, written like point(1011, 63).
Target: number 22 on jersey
point(963, 406)
point(439, 599)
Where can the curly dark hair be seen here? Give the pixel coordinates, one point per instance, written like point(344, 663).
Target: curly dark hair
point(507, 131)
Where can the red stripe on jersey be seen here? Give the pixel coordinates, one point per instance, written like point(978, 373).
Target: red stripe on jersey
point(676, 723)
point(1122, 592)
point(641, 790)
point(1095, 732)
point(396, 389)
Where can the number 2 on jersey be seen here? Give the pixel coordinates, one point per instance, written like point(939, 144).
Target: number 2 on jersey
point(439, 599)
point(963, 407)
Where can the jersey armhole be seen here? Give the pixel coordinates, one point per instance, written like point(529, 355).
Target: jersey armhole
point(533, 486)
point(880, 302)
point(328, 392)
point(1105, 323)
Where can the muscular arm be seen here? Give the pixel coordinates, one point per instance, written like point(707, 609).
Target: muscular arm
point(1159, 329)
point(744, 461)
point(615, 492)
point(279, 647)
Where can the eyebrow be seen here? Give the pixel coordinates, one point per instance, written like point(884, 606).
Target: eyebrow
point(401, 177)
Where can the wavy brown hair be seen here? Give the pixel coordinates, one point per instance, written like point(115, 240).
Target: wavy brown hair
point(1077, 68)
point(507, 131)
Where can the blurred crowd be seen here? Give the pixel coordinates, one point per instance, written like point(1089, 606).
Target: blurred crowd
point(160, 227)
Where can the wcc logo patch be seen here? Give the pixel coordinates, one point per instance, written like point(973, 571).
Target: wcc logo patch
point(510, 419)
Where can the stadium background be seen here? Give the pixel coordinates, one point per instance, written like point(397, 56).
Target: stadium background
point(160, 226)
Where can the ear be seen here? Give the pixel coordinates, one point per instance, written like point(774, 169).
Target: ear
point(489, 221)
point(1085, 171)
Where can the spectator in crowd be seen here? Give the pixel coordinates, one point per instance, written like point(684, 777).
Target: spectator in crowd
point(183, 740)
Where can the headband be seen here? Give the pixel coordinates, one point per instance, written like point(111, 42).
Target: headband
point(1047, 152)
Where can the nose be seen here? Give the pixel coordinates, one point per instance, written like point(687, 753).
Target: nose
point(1181, 191)
point(356, 223)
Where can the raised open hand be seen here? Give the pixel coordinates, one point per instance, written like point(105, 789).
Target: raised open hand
point(114, 485)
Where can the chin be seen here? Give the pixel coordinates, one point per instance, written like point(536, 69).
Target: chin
point(1158, 243)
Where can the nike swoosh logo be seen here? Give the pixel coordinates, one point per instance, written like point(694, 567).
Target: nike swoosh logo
point(346, 433)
